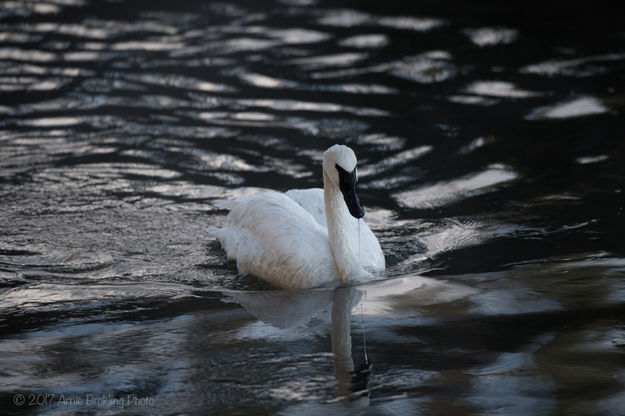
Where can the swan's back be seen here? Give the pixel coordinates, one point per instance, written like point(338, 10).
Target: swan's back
point(312, 201)
point(274, 238)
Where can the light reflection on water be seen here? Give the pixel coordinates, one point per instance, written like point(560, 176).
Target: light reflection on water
point(449, 191)
point(491, 169)
point(583, 106)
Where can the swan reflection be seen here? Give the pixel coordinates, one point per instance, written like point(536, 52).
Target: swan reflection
point(293, 309)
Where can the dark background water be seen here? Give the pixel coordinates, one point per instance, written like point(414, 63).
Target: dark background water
point(492, 165)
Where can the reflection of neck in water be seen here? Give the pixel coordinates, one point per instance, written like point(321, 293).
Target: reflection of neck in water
point(284, 309)
point(352, 385)
point(341, 336)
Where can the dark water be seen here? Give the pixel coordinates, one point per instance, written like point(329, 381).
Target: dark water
point(492, 165)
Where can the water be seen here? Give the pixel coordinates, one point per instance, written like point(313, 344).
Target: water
point(491, 161)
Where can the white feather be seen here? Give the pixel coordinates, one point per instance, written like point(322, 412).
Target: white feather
point(283, 238)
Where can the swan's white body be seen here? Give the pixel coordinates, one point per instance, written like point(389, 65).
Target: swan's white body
point(303, 238)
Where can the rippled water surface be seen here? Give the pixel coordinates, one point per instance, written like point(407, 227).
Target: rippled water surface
point(492, 165)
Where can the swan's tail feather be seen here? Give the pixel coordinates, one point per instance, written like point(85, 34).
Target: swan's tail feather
point(224, 236)
point(214, 232)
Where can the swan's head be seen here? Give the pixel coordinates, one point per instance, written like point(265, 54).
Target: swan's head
point(339, 165)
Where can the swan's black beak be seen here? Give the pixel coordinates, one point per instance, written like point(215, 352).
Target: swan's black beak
point(347, 183)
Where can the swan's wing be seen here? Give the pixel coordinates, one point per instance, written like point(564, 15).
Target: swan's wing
point(274, 238)
point(230, 204)
point(312, 201)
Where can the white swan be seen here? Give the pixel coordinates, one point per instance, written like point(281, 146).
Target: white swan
point(304, 238)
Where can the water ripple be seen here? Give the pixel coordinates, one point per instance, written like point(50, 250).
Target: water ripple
point(446, 192)
point(488, 36)
point(499, 89)
point(571, 67)
point(428, 67)
point(577, 107)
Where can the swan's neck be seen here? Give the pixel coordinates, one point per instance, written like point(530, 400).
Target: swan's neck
point(344, 258)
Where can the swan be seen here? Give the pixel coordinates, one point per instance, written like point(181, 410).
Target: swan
point(304, 238)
